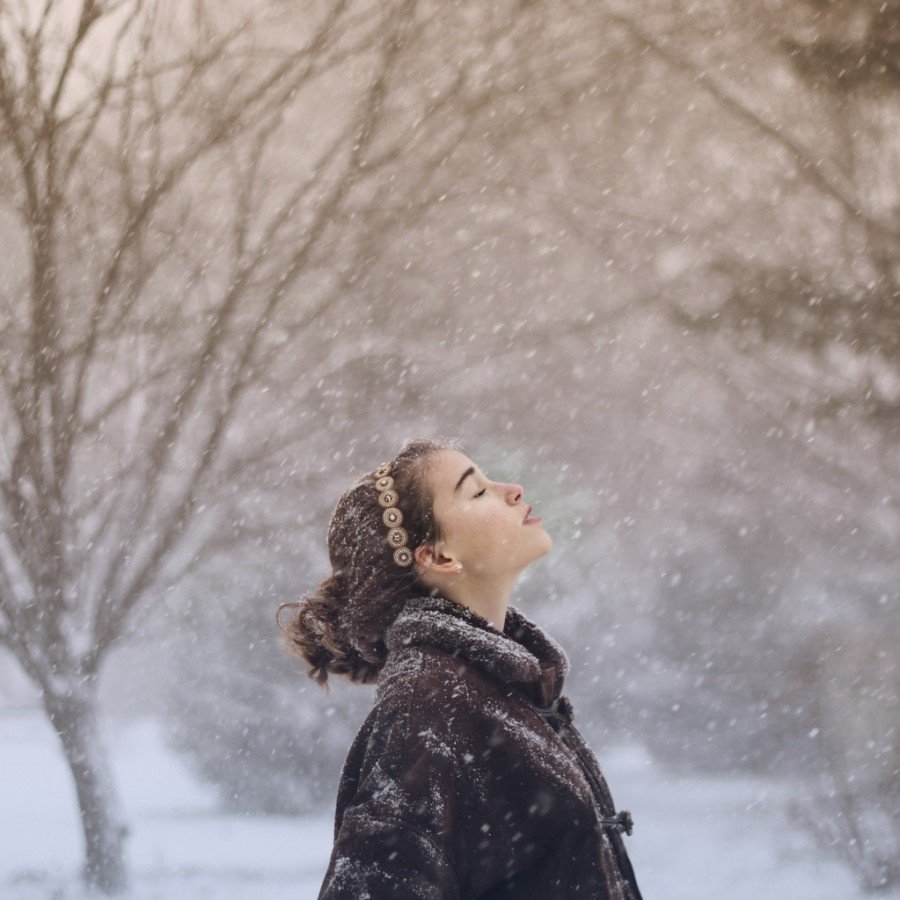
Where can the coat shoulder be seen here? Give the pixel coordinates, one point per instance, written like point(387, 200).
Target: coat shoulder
point(435, 705)
point(427, 679)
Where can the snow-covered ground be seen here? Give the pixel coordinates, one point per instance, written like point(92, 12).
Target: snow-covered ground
point(694, 838)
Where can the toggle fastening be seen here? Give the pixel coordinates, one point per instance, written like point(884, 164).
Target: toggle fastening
point(621, 820)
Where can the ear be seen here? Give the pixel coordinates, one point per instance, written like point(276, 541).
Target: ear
point(431, 561)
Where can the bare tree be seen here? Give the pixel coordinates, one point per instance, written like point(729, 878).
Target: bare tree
point(189, 189)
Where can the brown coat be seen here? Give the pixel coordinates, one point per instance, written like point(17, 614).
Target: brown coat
point(458, 786)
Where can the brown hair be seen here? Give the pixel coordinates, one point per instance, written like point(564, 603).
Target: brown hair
point(338, 628)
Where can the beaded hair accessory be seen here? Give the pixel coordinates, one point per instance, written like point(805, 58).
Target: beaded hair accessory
point(392, 517)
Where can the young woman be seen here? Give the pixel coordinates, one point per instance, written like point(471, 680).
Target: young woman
point(468, 778)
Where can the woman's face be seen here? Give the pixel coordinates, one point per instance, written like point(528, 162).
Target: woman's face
point(483, 520)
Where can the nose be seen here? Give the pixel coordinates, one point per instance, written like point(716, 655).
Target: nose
point(514, 492)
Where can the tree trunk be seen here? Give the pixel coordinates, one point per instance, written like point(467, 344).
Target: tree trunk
point(74, 717)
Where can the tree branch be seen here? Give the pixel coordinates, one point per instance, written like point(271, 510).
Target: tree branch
point(811, 168)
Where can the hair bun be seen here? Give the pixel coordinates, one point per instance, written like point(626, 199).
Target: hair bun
point(339, 628)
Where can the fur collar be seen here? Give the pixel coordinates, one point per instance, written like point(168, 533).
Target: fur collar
point(522, 652)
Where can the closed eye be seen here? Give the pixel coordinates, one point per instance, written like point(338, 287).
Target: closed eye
point(481, 492)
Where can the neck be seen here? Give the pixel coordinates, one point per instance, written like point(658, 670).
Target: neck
point(490, 599)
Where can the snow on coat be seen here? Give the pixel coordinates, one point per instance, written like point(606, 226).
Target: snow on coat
point(459, 786)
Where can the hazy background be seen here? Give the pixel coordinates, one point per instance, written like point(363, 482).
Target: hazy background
point(642, 257)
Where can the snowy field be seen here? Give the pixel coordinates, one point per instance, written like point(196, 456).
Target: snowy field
point(725, 838)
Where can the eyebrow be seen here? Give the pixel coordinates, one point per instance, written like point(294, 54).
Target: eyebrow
point(463, 477)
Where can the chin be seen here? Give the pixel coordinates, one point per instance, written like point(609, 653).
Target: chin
point(548, 544)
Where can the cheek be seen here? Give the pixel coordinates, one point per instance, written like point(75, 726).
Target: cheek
point(487, 531)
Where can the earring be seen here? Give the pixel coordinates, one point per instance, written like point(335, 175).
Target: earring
point(458, 567)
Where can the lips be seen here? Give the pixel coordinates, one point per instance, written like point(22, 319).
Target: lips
point(527, 514)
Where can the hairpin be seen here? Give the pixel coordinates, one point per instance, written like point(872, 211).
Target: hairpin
point(388, 498)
